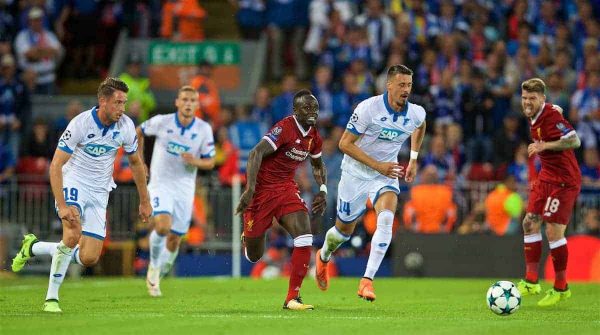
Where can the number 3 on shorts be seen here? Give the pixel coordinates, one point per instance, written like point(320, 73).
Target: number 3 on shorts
point(551, 205)
point(155, 200)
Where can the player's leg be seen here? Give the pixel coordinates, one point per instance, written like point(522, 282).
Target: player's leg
point(297, 224)
point(181, 219)
point(351, 205)
point(158, 237)
point(532, 241)
point(385, 202)
point(169, 252)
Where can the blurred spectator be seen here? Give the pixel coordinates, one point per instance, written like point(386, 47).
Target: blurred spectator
point(591, 222)
point(503, 208)
point(445, 100)
point(74, 107)
point(506, 140)
point(7, 163)
point(524, 40)
point(77, 28)
point(364, 77)
point(208, 95)
point(556, 91)
point(430, 209)
point(454, 145)
point(346, 99)
point(226, 158)
point(287, 22)
point(380, 31)
point(326, 17)
point(519, 167)
point(323, 91)
point(15, 105)
point(38, 145)
point(585, 111)
point(250, 18)
point(563, 67)
point(140, 100)
point(499, 88)
point(439, 157)
point(476, 104)
point(183, 20)
point(332, 158)
point(8, 25)
point(40, 51)
point(261, 110)
point(283, 103)
point(447, 22)
point(590, 168)
point(341, 52)
point(245, 133)
point(122, 173)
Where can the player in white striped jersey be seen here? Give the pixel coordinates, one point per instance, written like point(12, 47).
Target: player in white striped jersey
point(81, 180)
point(184, 144)
point(371, 143)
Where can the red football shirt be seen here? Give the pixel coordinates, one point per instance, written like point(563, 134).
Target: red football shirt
point(558, 167)
point(292, 146)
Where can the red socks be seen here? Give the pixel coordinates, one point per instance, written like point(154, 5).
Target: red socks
point(560, 255)
point(533, 253)
point(300, 264)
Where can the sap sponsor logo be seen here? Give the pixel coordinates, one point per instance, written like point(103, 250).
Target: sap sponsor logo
point(97, 150)
point(389, 134)
point(297, 155)
point(176, 148)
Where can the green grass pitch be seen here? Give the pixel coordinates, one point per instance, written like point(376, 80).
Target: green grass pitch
point(246, 306)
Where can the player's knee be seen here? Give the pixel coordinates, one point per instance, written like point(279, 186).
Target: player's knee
point(89, 260)
point(553, 234)
point(252, 257)
point(345, 228)
point(385, 220)
point(71, 238)
point(530, 224)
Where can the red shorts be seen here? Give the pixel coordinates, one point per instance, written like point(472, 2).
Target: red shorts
point(268, 204)
point(552, 202)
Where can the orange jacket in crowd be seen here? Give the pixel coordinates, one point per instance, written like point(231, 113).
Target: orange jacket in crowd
point(210, 102)
point(122, 170)
point(430, 209)
point(501, 205)
point(187, 16)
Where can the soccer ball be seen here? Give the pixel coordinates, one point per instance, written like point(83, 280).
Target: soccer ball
point(503, 298)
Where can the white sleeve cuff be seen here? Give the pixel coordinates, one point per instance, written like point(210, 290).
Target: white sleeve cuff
point(316, 155)
point(270, 142)
point(569, 134)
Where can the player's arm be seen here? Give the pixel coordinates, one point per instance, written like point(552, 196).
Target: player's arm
point(416, 139)
point(320, 174)
point(201, 163)
point(569, 141)
point(347, 146)
point(262, 149)
point(65, 212)
point(139, 177)
point(140, 137)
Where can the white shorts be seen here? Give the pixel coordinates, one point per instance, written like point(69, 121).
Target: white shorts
point(178, 206)
point(91, 205)
point(353, 193)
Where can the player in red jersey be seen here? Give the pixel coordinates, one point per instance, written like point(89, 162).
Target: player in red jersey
point(271, 192)
point(553, 193)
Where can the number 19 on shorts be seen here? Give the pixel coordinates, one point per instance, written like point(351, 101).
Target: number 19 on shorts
point(551, 206)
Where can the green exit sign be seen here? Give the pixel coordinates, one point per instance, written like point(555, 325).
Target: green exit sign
point(172, 53)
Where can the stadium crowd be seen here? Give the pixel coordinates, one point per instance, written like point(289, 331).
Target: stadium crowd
point(468, 57)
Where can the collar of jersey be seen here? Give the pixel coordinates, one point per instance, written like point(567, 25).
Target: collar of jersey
point(537, 116)
point(183, 129)
point(304, 133)
point(391, 110)
point(104, 128)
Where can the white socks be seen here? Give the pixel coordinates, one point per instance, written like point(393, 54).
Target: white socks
point(303, 241)
point(380, 242)
point(333, 239)
point(44, 248)
point(75, 258)
point(167, 257)
point(157, 244)
point(60, 262)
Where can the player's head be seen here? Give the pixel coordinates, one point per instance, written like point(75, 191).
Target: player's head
point(306, 108)
point(187, 101)
point(532, 96)
point(112, 96)
point(399, 84)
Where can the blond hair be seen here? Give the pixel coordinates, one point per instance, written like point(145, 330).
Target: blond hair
point(535, 85)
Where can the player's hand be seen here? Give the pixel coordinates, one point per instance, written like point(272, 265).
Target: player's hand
point(535, 147)
point(319, 203)
point(244, 201)
point(411, 171)
point(188, 158)
point(390, 169)
point(145, 211)
point(69, 214)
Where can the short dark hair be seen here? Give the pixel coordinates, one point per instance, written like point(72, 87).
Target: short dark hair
point(301, 94)
point(398, 69)
point(110, 85)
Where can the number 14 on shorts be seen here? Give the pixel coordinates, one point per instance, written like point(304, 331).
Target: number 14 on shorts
point(344, 207)
point(551, 206)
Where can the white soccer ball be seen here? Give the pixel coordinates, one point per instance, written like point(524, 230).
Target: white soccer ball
point(503, 298)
